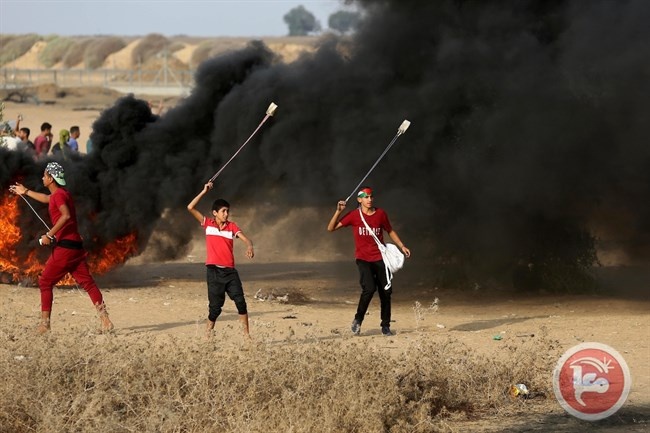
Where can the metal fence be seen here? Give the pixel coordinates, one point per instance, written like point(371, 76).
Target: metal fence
point(162, 81)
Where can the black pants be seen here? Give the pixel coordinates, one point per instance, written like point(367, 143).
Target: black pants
point(220, 282)
point(372, 277)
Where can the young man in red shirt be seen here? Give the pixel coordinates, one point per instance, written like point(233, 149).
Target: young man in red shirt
point(68, 255)
point(372, 270)
point(222, 277)
point(43, 141)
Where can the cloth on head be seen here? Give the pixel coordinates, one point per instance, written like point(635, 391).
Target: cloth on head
point(56, 171)
point(365, 192)
point(64, 136)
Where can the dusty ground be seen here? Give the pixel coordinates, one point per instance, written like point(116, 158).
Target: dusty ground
point(170, 298)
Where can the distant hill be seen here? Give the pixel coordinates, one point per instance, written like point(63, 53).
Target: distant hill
point(147, 52)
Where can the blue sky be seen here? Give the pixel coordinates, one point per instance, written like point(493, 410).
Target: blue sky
point(168, 17)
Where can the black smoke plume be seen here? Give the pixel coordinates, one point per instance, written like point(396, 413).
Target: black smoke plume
point(528, 143)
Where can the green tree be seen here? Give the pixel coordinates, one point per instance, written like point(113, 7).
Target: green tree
point(343, 21)
point(301, 22)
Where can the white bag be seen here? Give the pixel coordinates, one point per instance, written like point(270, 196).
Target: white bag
point(393, 257)
point(390, 254)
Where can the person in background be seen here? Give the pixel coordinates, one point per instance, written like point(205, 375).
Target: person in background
point(74, 135)
point(24, 144)
point(61, 149)
point(43, 141)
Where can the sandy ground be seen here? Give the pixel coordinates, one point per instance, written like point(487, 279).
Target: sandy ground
point(170, 298)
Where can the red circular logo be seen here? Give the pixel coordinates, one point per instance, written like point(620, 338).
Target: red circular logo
point(591, 381)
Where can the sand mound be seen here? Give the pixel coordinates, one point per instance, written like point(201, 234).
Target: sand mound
point(290, 52)
point(121, 59)
point(185, 53)
point(287, 51)
point(29, 60)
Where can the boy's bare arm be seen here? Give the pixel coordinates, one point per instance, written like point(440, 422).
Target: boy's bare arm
point(395, 237)
point(191, 207)
point(250, 252)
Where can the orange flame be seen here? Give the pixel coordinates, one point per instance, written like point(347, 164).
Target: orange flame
point(113, 254)
point(99, 262)
point(9, 241)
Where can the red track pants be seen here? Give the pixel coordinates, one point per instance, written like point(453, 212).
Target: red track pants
point(62, 261)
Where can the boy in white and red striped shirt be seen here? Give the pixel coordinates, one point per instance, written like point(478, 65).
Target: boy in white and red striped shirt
point(222, 277)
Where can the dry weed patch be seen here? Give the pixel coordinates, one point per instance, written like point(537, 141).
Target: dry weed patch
point(76, 381)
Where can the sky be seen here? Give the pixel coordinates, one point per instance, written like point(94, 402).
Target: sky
point(205, 18)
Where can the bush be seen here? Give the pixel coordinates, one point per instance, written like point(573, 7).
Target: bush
point(149, 47)
point(99, 49)
point(75, 53)
point(210, 48)
point(5, 39)
point(175, 46)
point(16, 47)
point(344, 21)
point(202, 52)
point(162, 383)
point(54, 51)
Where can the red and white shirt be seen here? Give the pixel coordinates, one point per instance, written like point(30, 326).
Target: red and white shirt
point(365, 247)
point(219, 242)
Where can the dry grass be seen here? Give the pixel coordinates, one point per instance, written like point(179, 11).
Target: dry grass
point(75, 53)
point(149, 47)
point(213, 47)
point(55, 51)
point(99, 49)
point(13, 47)
point(76, 381)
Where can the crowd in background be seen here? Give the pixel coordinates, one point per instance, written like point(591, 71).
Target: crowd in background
point(17, 137)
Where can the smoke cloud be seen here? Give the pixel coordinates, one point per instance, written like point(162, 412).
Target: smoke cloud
point(528, 138)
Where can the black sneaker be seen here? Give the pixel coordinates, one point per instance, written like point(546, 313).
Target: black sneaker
point(356, 327)
point(385, 330)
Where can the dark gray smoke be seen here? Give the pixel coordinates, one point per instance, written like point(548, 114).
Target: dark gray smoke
point(528, 138)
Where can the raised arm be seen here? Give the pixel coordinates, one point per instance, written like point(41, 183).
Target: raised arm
point(191, 207)
point(334, 223)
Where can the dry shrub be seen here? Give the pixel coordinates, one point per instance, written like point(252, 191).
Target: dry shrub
point(75, 53)
point(74, 381)
point(150, 46)
point(213, 47)
point(99, 49)
point(16, 47)
point(5, 39)
point(175, 46)
point(201, 53)
point(54, 51)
